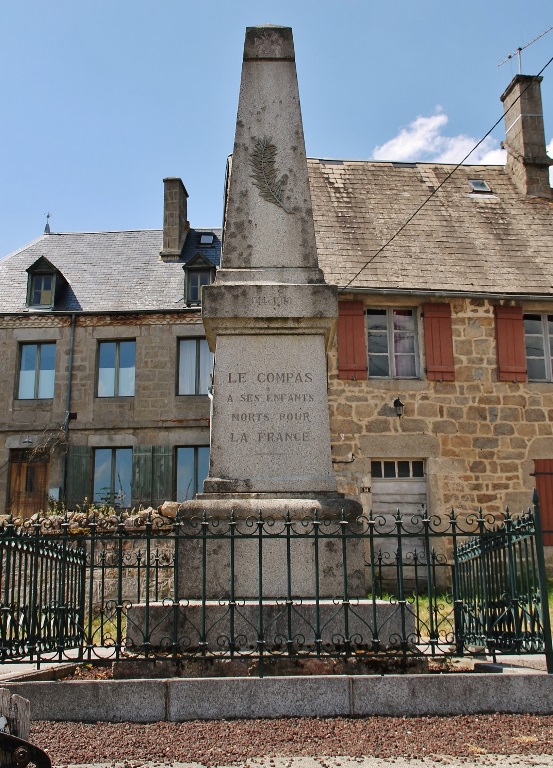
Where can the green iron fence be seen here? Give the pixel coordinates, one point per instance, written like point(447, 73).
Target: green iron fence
point(267, 590)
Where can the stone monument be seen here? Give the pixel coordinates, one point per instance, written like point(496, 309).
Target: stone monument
point(269, 318)
point(268, 554)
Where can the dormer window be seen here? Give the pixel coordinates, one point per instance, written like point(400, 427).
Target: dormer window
point(42, 290)
point(43, 282)
point(198, 271)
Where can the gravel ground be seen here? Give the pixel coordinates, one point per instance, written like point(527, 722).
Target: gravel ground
point(480, 740)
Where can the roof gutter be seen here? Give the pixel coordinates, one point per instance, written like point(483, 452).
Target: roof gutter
point(454, 294)
point(114, 312)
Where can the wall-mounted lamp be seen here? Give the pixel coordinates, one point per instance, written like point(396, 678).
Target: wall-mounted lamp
point(27, 441)
point(398, 405)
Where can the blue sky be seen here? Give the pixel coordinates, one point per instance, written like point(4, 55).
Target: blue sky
point(102, 99)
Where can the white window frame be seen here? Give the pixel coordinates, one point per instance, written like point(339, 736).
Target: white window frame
point(547, 340)
point(390, 339)
point(200, 342)
point(39, 372)
point(116, 369)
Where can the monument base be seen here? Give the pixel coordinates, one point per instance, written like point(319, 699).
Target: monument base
point(287, 629)
point(251, 545)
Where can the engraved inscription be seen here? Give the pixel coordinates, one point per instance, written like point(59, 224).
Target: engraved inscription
point(278, 424)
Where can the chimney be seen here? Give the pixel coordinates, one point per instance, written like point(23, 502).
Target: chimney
point(527, 160)
point(175, 224)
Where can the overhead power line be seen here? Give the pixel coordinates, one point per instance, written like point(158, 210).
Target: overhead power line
point(440, 185)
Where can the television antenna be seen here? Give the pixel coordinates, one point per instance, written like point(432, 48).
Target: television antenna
point(519, 51)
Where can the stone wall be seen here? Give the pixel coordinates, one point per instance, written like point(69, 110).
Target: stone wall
point(156, 415)
point(477, 436)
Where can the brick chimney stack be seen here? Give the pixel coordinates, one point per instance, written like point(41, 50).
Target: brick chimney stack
point(175, 224)
point(527, 160)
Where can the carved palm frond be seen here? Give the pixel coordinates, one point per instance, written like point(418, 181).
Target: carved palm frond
point(265, 173)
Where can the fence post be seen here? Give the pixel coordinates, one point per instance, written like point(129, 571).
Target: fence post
point(542, 575)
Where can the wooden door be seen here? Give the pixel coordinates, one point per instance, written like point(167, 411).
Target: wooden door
point(28, 483)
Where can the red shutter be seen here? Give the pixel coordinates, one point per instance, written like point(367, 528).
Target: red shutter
point(352, 348)
point(438, 342)
point(509, 338)
point(543, 470)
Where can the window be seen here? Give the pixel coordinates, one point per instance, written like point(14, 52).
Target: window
point(198, 271)
point(392, 343)
point(42, 290)
point(116, 368)
point(538, 340)
point(389, 468)
point(36, 371)
point(197, 278)
point(112, 476)
point(480, 186)
point(192, 469)
point(195, 364)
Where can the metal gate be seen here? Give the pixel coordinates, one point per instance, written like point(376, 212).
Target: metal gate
point(42, 593)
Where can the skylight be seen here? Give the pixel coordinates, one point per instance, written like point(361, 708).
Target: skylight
point(206, 239)
point(478, 185)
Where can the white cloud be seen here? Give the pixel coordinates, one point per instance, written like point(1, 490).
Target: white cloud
point(423, 140)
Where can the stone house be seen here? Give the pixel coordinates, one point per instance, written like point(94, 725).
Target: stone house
point(451, 324)
point(105, 369)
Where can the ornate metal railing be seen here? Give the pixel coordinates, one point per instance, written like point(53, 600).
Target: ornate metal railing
point(273, 590)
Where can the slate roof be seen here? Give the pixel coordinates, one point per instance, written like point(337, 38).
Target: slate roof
point(500, 243)
point(106, 270)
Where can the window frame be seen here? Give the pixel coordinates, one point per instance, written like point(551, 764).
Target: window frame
point(390, 338)
point(197, 370)
point(39, 345)
point(113, 472)
point(33, 276)
point(547, 339)
point(197, 485)
point(116, 368)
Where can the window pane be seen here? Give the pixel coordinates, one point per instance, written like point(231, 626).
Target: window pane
point(406, 366)
point(403, 469)
point(127, 354)
point(403, 319)
point(389, 469)
point(379, 365)
point(418, 468)
point(378, 343)
point(27, 373)
point(534, 346)
point(206, 362)
point(187, 367)
point(404, 342)
point(106, 369)
point(185, 473)
point(536, 369)
point(376, 468)
point(123, 476)
point(377, 320)
point(532, 324)
point(102, 475)
point(47, 370)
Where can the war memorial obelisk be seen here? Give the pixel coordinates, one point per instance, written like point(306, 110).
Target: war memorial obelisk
point(270, 318)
